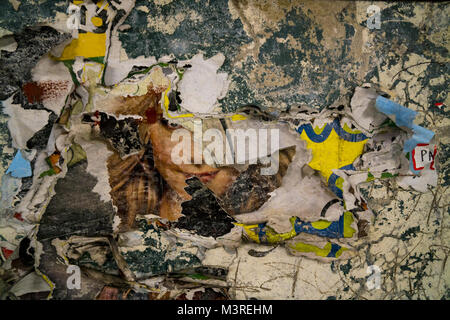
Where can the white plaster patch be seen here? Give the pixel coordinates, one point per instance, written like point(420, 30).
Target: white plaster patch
point(201, 86)
point(97, 154)
point(23, 124)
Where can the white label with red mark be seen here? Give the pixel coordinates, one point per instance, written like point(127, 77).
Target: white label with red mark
point(423, 156)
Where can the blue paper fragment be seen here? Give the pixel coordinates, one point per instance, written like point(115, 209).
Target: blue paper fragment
point(404, 117)
point(421, 135)
point(19, 167)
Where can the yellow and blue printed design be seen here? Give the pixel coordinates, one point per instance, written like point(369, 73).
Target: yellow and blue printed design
point(333, 147)
point(261, 233)
point(330, 249)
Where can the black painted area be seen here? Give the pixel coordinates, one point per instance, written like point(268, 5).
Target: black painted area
point(87, 216)
point(203, 214)
point(123, 134)
point(249, 191)
point(16, 66)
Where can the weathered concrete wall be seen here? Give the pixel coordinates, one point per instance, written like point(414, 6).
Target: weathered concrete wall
point(282, 54)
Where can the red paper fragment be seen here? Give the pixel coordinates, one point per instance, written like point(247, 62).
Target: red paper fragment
point(151, 115)
point(18, 216)
point(6, 252)
point(33, 92)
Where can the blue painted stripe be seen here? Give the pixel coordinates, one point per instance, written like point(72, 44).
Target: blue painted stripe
point(318, 138)
point(334, 249)
point(334, 230)
point(261, 232)
point(333, 178)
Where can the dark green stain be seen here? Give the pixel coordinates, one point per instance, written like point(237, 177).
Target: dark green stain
point(153, 260)
point(345, 268)
point(410, 233)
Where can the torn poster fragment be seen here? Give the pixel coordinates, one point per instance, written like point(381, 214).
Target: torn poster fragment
point(19, 167)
